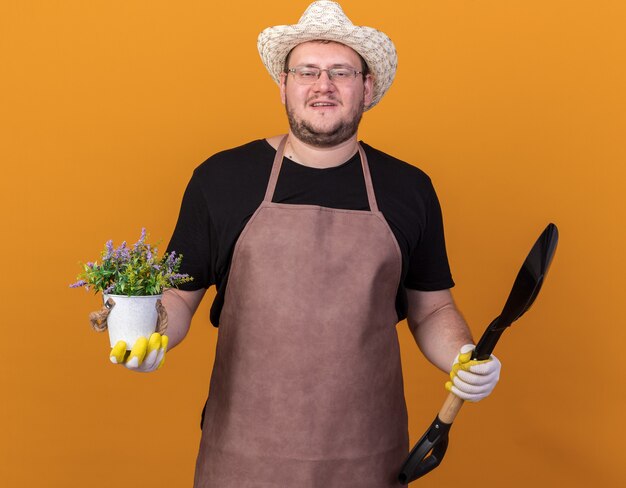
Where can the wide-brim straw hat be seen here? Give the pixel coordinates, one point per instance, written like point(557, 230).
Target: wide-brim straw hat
point(325, 20)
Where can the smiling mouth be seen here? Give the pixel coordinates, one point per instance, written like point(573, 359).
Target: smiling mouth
point(323, 104)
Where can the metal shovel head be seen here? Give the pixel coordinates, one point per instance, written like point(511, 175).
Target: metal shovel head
point(525, 289)
point(531, 275)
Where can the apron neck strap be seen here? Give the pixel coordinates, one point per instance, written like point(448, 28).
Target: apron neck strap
point(278, 161)
point(371, 197)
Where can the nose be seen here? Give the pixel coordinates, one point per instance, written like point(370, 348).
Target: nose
point(324, 83)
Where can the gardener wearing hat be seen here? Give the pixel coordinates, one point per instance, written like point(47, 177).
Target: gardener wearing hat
point(318, 245)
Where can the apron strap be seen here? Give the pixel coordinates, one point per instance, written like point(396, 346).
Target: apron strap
point(369, 186)
point(278, 161)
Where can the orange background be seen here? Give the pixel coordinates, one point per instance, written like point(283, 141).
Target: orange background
point(515, 108)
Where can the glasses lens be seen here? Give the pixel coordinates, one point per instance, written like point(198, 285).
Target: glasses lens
point(307, 76)
point(341, 75)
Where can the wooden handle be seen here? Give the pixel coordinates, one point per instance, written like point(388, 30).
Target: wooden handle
point(450, 408)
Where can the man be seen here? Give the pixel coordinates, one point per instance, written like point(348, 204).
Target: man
point(318, 246)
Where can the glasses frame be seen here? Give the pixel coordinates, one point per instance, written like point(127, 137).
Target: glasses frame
point(329, 73)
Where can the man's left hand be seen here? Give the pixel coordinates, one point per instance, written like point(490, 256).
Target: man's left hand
point(473, 380)
point(146, 355)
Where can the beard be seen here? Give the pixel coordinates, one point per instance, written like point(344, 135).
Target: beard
point(340, 132)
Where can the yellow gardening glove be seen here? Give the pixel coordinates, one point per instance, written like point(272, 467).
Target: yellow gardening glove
point(473, 380)
point(145, 355)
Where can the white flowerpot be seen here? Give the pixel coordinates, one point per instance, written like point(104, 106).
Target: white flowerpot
point(131, 318)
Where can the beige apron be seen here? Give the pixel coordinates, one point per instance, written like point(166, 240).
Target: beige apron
point(306, 390)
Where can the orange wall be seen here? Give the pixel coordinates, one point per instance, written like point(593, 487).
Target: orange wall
point(515, 108)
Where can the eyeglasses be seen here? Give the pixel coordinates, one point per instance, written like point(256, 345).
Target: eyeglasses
point(306, 75)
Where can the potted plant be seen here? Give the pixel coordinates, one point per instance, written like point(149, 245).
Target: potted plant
point(132, 281)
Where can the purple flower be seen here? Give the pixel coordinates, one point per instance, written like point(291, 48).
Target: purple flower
point(171, 258)
point(109, 249)
point(122, 253)
point(175, 277)
point(78, 284)
point(142, 238)
point(109, 288)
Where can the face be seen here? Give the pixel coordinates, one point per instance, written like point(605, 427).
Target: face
point(323, 114)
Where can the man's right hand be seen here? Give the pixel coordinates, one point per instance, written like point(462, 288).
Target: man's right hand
point(145, 355)
point(470, 379)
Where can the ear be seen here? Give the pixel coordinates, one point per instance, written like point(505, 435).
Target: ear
point(368, 89)
point(283, 81)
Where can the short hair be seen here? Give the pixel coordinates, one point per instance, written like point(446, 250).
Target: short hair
point(364, 67)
